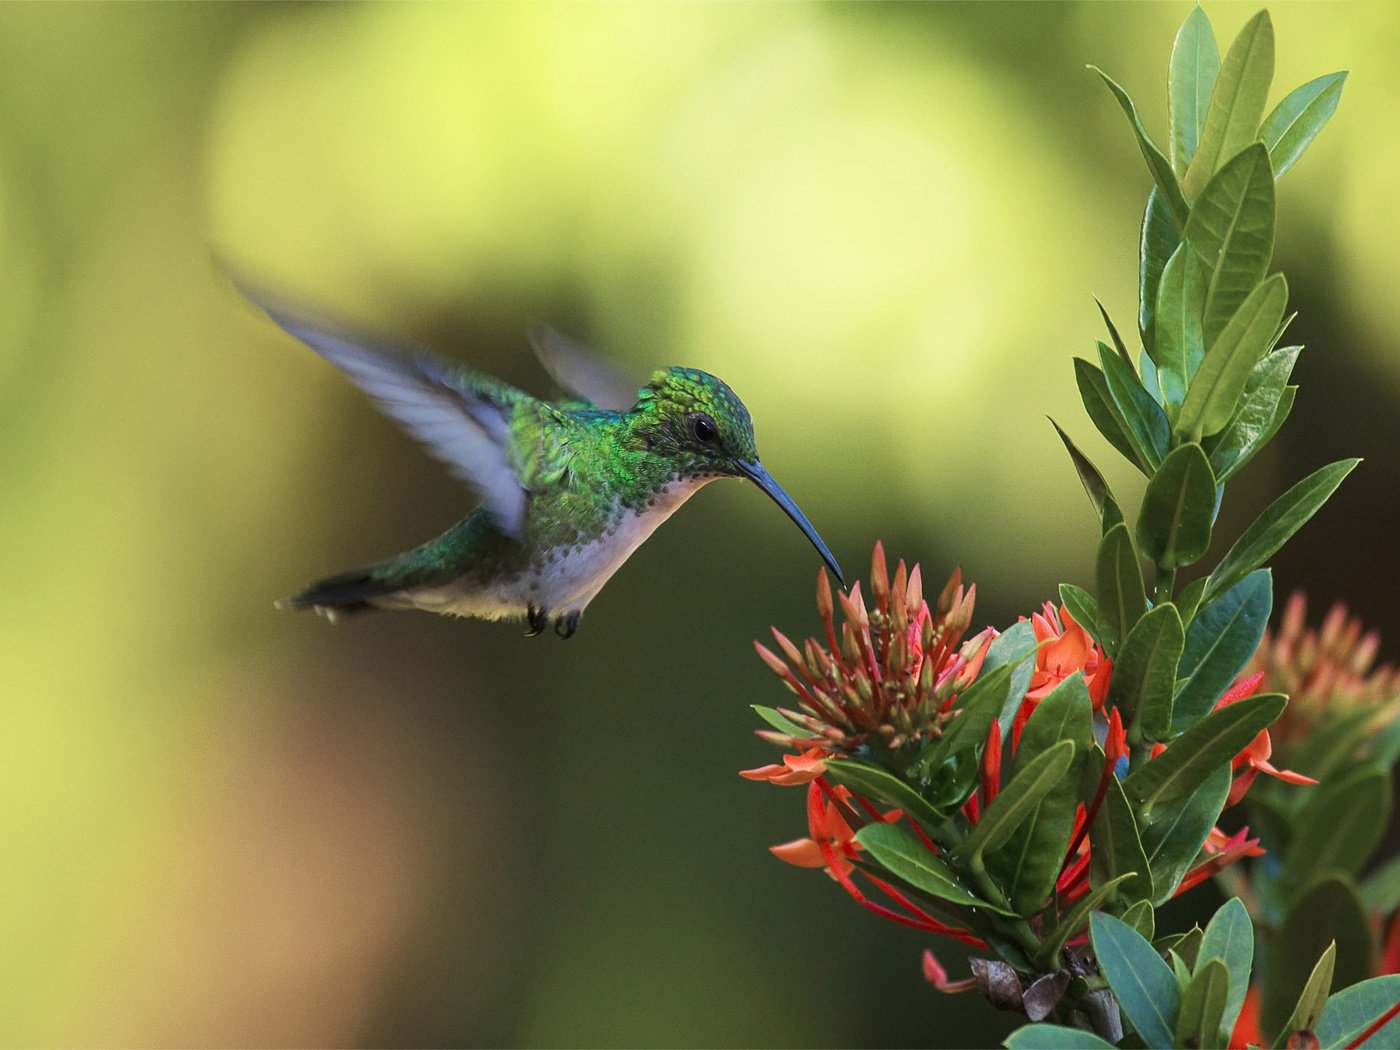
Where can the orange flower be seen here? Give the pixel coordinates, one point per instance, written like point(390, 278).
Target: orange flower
point(1065, 647)
point(1256, 754)
point(795, 769)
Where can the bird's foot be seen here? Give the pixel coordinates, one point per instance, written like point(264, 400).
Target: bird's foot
point(538, 620)
point(565, 626)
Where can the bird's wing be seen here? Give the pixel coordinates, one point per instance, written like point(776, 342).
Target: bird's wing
point(462, 417)
point(580, 371)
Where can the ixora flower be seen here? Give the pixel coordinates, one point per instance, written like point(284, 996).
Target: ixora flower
point(900, 725)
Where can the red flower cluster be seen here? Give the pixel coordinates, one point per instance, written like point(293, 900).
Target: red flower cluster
point(893, 679)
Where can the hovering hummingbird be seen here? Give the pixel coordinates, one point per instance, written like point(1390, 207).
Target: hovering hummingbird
point(568, 490)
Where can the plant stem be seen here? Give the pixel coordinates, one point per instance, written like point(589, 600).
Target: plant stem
point(1166, 583)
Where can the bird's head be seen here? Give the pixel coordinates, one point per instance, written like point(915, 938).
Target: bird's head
point(700, 425)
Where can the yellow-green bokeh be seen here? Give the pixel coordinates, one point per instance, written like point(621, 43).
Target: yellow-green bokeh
point(882, 224)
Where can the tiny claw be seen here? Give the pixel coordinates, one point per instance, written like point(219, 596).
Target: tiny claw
point(565, 626)
point(538, 620)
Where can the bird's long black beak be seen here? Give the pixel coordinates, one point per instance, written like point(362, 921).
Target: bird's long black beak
point(755, 472)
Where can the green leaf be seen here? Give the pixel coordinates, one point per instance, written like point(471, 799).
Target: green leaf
point(1340, 826)
point(905, 857)
point(1272, 529)
point(1157, 164)
point(1295, 121)
point(1113, 334)
point(1075, 919)
point(1054, 1037)
point(978, 707)
point(1329, 910)
point(1144, 673)
point(1194, 67)
point(1094, 484)
point(1118, 575)
point(1142, 983)
point(1025, 868)
point(1314, 998)
point(1158, 241)
point(1209, 744)
point(1016, 802)
point(780, 721)
point(1253, 422)
point(1203, 1006)
point(1229, 938)
point(1086, 612)
point(1236, 103)
point(1016, 645)
point(1353, 1010)
point(1232, 230)
point(1178, 336)
point(1381, 889)
point(1178, 509)
point(1188, 599)
point(1147, 423)
point(1173, 839)
point(1141, 917)
point(1222, 637)
point(1225, 370)
point(1118, 848)
point(1331, 749)
point(1098, 402)
point(880, 786)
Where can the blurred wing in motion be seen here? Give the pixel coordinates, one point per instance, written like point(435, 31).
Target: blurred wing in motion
point(582, 372)
point(462, 417)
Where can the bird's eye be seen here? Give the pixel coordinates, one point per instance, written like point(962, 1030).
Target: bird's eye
point(703, 427)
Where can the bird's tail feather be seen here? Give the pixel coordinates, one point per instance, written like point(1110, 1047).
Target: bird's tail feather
point(349, 592)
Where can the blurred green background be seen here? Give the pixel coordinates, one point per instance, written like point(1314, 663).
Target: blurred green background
point(882, 224)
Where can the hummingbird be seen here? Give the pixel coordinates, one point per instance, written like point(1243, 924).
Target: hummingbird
point(568, 490)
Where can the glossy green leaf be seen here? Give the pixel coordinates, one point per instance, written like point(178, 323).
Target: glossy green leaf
point(904, 856)
point(1232, 231)
point(1200, 1021)
point(1178, 509)
point(1253, 420)
point(1142, 983)
point(1118, 576)
point(978, 707)
point(1094, 484)
point(1147, 372)
point(1179, 336)
point(1098, 403)
point(1180, 970)
point(1016, 646)
point(1308, 1010)
point(1147, 423)
point(1086, 612)
point(1075, 919)
point(1141, 917)
point(1195, 64)
point(1353, 1010)
point(1188, 599)
point(1273, 528)
point(1328, 910)
point(1054, 1037)
point(1216, 388)
point(1222, 637)
point(1118, 848)
point(1295, 121)
point(1159, 239)
point(1174, 837)
point(1157, 163)
point(1210, 743)
point(882, 787)
point(1341, 825)
point(1113, 334)
point(1016, 802)
point(1027, 865)
point(1236, 103)
point(1144, 673)
point(1229, 938)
